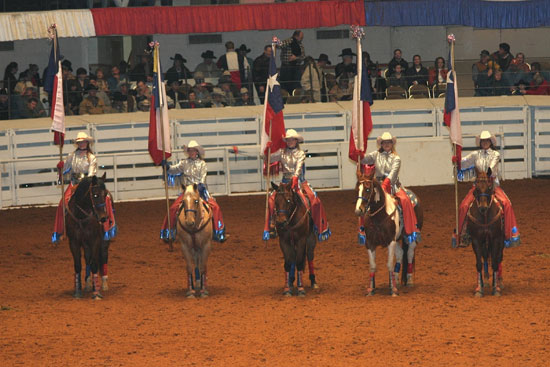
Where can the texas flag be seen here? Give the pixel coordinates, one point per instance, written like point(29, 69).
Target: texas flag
point(158, 115)
point(451, 116)
point(361, 119)
point(53, 84)
point(273, 112)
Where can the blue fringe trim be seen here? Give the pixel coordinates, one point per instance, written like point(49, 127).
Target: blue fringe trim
point(325, 235)
point(362, 238)
point(171, 180)
point(265, 236)
point(111, 233)
point(413, 237)
point(512, 242)
point(56, 237)
point(167, 235)
point(460, 174)
point(219, 235)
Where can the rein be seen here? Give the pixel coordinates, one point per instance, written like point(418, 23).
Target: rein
point(89, 215)
point(193, 231)
point(368, 201)
point(299, 223)
point(495, 218)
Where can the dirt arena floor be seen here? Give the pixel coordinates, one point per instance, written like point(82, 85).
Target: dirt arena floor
point(145, 319)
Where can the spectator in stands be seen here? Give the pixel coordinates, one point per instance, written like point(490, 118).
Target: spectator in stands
point(538, 85)
point(142, 70)
point(143, 93)
point(247, 78)
point(115, 80)
point(176, 94)
point(417, 74)
point(67, 70)
point(438, 73)
point(397, 60)
point(521, 88)
point(101, 94)
point(23, 83)
point(342, 91)
point(500, 87)
point(347, 65)
point(503, 57)
point(192, 101)
point(123, 101)
point(208, 67)
point(102, 84)
point(73, 98)
point(292, 55)
point(227, 88)
point(397, 79)
point(31, 110)
point(92, 104)
point(201, 90)
point(10, 80)
point(322, 63)
point(260, 71)
point(4, 105)
point(217, 98)
point(34, 76)
point(82, 79)
point(311, 80)
point(482, 71)
point(245, 99)
point(235, 63)
point(519, 69)
point(178, 71)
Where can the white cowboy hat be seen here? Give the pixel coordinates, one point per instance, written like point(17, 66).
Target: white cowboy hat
point(82, 136)
point(385, 136)
point(292, 134)
point(486, 135)
point(194, 145)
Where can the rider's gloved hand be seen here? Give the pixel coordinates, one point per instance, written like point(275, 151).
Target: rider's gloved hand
point(295, 182)
point(60, 165)
point(386, 185)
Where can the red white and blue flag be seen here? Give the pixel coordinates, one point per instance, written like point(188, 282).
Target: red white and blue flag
point(53, 85)
point(273, 112)
point(158, 115)
point(361, 119)
point(451, 116)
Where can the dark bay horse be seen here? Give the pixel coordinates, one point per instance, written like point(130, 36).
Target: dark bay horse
point(296, 236)
point(383, 228)
point(485, 227)
point(194, 231)
point(84, 220)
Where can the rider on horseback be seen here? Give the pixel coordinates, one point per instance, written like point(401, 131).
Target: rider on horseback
point(81, 163)
point(292, 159)
point(189, 171)
point(387, 164)
point(483, 159)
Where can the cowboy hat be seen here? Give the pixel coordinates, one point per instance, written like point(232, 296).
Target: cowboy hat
point(347, 52)
point(292, 134)
point(385, 136)
point(217, 91)
point(485, 135)
point(244, 90)
point(194, 145)
point(82, 136)
point(324, 57)
point(178, 57)
point(243, 48)
point(208, 54)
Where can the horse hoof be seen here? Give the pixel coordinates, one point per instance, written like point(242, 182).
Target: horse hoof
point(315, 286)
point(77, 294)
point(479, 294)
point(496, 292)
point(97, 297)
point(88, 287)
point(394, 293)
point(104, 286)
point(370, 292)
point(287, 293)
point(301, 293)
point(190, 295)
point(205, 294)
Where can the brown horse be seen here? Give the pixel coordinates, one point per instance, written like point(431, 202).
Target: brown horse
point(84, 220)
point(485, 227)
point(194, 231)
point(383, 228)
point(296, 236)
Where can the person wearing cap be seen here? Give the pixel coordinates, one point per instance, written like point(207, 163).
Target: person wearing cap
point(235, 63)
point(178, 70)
point(91, 104)
point(189, 171)
point(208, 67)
point(260, 71)
point(291, 160)
point(217, 96)
point(123, 101)
point(387, 164)
point(347, 66)
point(322, 63)
point(245, 99)
point(228, 88)
point(397, 60)
point(79, 164)
point(483, 159)
point(482, 72)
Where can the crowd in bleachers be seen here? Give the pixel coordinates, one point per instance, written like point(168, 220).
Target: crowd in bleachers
point(234, 79)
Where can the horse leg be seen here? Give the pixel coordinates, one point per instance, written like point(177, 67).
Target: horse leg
point(394, 250)
point(88, 279)
point(300, 265)
point(372, 266)
point(496, 262)
point(310, 257)
point(500, 280)
point(203, 259)
point(104, 259)
point(410, 264)
point(479, 264)
point(189, 266)
point(75, 250)
point(287, 287)
point(94, 267)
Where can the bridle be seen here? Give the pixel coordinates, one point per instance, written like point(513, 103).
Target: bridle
point(193, 230)
point(370, 189)
point(491, 202)
point(289, 219)
point(94, 196)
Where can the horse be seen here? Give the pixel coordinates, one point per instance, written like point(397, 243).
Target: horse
point(194, 231)
point(485, 227)
point(383, 228)
point(84, 219)
point(296, 237)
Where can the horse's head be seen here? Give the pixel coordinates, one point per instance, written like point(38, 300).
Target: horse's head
point(366, 191)
point(191, 205)
point(98, 194)
point(484, 190)
point(285, 204)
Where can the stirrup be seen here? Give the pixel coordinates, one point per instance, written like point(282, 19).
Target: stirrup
point(465, 240)
point(325, 235)
point(265, 236)
point(512, 242)
point(56, 238)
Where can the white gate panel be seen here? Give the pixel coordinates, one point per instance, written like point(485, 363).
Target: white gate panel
point(541, 140)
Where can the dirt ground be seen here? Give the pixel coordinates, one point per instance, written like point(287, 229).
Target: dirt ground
point(145, 318)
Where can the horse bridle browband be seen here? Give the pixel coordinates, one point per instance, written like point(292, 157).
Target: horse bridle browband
point(492, 200)
point(289, 220)
point(370, 183)
point(201, 226)
point(88, 215)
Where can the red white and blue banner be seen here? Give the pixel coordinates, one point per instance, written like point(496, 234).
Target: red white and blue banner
point(53, 85)
point(451, 116)
point(158, 115)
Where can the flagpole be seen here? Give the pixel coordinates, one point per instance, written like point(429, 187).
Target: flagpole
point(456, 234)
point(163, 145)
point(358, 33)
point(268, 178)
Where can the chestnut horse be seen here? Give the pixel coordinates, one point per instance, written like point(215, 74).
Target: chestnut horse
point(485, 227)
point(296, 236)
point(194, 231)
point(383, 228)
point(84, 220)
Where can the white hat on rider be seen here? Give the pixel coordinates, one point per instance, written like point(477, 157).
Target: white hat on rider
point(485, 135)
point(385, 136)
point(82, 136)
point(292, 134)
point(194, 145)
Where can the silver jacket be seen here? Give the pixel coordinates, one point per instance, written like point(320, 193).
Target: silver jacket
point(80, 164)
point(387, 166)
point(193, 171)
point(292, 161)
point(482, 160)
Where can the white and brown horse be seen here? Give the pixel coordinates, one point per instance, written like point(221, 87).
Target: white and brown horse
point(194, 231)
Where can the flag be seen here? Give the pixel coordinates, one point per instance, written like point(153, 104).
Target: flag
point(451, 116)
point(53, 84)
point(158, 115)
point(273, 112)
point(361, 119)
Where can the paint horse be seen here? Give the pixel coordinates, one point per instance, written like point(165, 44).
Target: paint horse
point(296, 237)
point(383, 228)
point(194, 231)
point(485, 227)
point(84, 219)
